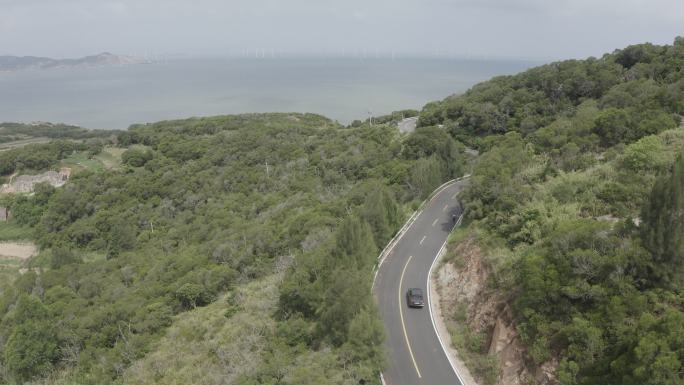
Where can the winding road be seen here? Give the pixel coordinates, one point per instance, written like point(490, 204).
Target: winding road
point(414, 351)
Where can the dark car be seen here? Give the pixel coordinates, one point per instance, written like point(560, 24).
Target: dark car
point(414, 297)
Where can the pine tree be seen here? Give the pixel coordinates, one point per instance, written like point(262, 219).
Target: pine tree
point(366, 336)
point(355, 245)
point(663, 223)
point(347, 292)
point(382, 213)
point(426, 174)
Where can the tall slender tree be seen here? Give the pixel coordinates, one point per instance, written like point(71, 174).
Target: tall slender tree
point(354, 243)
point(663, 223)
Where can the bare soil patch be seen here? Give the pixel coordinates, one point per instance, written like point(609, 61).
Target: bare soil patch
point(25, 183)
point(16, 250)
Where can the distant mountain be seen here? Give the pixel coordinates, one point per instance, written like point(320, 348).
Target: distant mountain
point(19, 63)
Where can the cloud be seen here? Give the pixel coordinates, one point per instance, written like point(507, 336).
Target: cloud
point(537, 28)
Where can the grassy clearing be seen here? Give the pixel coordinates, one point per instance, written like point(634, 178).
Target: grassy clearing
point(111, 157)
point(10, 231)
point(80, 161)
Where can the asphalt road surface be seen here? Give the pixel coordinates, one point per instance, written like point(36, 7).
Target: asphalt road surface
point(414, 353)
point(408, 125)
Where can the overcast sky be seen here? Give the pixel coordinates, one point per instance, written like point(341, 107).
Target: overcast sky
point(539, 29)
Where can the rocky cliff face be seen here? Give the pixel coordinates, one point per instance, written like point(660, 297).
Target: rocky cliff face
point(464, 282)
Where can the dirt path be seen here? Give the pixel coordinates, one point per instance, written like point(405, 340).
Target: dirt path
point(15, 250)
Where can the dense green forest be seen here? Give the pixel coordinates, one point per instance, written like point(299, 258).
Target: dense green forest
point(10, 132)
point(577, 199)
point(202, 214)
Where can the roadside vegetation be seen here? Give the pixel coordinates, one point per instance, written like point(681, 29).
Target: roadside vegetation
point(472, 347)
point(579, 183)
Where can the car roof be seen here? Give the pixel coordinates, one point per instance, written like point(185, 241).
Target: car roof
point(415, 290)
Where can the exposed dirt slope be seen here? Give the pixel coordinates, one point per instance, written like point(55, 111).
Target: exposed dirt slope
point(466, 298)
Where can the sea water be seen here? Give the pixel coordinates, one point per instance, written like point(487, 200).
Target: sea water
point(342, 89)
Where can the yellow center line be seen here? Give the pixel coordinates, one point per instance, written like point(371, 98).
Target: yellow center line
point(401, 314)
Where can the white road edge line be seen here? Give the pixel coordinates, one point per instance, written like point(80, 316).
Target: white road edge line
point(434, 326)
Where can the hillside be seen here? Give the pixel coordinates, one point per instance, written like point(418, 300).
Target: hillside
point(200, 214)
point(632, 92)
point(15, 132)
point(22, 63)
point(570, 268)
